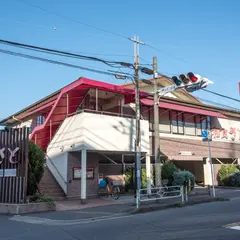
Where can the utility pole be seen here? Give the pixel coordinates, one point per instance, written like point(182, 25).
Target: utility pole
point(137, 110)
point(158, 177)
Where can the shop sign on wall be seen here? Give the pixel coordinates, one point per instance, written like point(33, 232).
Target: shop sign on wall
point(231, 134)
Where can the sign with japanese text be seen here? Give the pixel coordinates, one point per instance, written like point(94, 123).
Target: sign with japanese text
point(226, 130)
point(12, 172)
point(231, 134)
point(12, 155)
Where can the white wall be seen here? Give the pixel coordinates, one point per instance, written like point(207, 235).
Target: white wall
point(99, 132)
point(92, 132)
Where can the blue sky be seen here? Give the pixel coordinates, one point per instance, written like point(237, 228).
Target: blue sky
point(199, 36)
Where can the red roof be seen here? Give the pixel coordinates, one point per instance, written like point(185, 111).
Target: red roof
point(182, 108)
point(76, 92)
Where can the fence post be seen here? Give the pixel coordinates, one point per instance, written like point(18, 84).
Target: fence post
point(189, 185)
point(182, 193)
point(186, 190)
point(209, 191)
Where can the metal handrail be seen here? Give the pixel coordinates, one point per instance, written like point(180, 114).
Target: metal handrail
point(101, 113)
point(50, 160)
point(158, 193)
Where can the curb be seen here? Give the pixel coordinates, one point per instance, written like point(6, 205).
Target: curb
point(227, 187)
point(177, 205)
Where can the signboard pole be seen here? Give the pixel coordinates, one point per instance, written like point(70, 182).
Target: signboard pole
point(206, 136)
point(212, 171)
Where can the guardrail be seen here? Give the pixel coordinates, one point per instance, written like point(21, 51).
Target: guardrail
point(159, 193)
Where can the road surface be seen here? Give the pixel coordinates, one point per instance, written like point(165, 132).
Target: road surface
point(203, 221)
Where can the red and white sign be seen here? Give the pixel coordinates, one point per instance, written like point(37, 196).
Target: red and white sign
point(232, 134)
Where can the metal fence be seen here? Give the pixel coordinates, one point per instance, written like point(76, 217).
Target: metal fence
point(159, 193)
point(13, 165)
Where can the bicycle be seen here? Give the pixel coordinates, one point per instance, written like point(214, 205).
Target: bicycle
point(114, 192)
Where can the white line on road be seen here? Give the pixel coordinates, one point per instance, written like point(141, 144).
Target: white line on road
point(52, 222)
point(103, 213)
point(235, 228)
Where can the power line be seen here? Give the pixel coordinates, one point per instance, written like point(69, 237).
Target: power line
point(221, 95)
point(73, 20)
point(61, 53)
point(217, 104)
point(169, 54)
point(97, 28)
point(56, 62)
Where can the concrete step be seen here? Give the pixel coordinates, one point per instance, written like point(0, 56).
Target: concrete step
point(50, 187)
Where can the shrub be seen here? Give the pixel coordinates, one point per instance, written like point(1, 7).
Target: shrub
point(130, 178)
point(225, 173)
point(180, 177)
point(234, 180)
point(35, 168)
point(168, 169)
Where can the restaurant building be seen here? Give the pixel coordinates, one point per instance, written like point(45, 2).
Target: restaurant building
point(87, 130)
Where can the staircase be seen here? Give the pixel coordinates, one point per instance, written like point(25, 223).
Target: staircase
point(50, 187)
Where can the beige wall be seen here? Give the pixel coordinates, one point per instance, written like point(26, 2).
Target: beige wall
point(173, 146)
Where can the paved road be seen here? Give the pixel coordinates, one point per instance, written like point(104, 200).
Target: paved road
point(204, 221)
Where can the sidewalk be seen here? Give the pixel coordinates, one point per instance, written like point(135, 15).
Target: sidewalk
point(128, 201)
point(77, 205)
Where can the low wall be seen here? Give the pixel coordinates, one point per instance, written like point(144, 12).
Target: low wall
point(8, 208)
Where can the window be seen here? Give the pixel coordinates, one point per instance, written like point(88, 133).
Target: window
point(190, 125)
point(40, 120)
point(164, 121)
point(151, 120)
point(198, 125)
point(204, 123)
point(177, 122)
point(145, 112)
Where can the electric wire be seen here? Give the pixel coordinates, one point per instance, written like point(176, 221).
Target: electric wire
point(57, 62)
point(73, 20)
point(221, 95)
point(62, 53)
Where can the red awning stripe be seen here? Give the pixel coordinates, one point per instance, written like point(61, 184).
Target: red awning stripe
point(181, 108)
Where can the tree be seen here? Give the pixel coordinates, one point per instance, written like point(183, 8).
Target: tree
point(35, 168)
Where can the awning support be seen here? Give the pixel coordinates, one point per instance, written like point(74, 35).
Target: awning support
point(219, 161)
point(108, 158)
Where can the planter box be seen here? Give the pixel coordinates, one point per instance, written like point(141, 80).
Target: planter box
point(8, 208)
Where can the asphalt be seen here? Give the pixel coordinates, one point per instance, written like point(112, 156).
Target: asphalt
point(202, 221)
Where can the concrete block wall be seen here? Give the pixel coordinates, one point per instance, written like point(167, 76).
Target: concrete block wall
point(74, 185)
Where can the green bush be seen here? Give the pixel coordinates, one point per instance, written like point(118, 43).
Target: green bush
point(168, 169)
point(35, 168)
point(130, 178)
point(234, 180)
point(226, 172)
point(180, 177)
